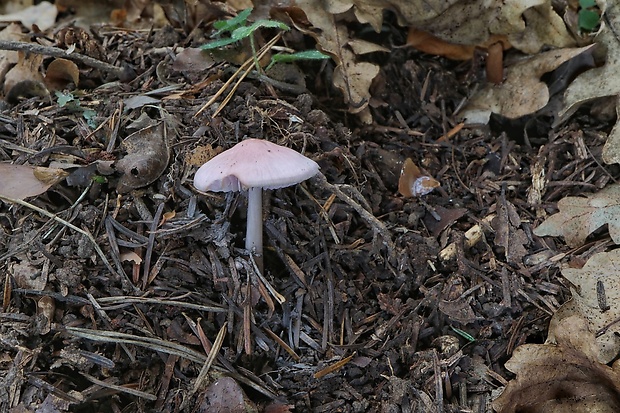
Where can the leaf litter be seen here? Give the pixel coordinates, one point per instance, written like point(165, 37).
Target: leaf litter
point(415, 300)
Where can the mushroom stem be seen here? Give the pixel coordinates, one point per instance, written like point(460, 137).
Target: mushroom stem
point(254, 234)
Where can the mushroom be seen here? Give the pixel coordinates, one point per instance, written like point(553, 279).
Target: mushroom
point(252, 165)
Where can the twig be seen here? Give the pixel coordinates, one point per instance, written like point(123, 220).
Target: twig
point(57, 52)
point(377, 226)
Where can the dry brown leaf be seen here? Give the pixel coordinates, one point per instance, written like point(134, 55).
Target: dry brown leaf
point(43, 15)
point(20, 181)
point(508, 233)
point(596, 297)
point(579, 217)
point(147, 157)
point(523, 92)
point(60, 73)
point(529, 24)
point(26, 70)
point(600, 82)
point(225, 395)
point(8, 57)
point(352, 76)
point(564, 376)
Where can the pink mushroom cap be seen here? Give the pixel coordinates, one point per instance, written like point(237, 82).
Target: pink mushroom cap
point(254, 163)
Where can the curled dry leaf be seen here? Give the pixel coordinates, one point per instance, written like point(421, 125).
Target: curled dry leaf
point(528, 24)
point(564, 376)
point(26, 70)
point(413, 182)
point(600, 82)
point(147, 157)
point(522, 92)
point(579, 217)
point(596, 297)
point(23, 181)
point(352, 76)
point(60, 73)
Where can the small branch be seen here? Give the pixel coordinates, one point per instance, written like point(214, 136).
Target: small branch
point(378, 227)
point(57, 52)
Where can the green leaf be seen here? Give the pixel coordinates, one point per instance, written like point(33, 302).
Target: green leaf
point(588, 20)
point(231, 24)
point(586, 4)
point(243, 32)
point(90, 116)
point(216, 44)
point(463, 334)
point(305, 55)
point(64, 98)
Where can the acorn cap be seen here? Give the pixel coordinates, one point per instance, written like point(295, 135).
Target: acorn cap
point(254, 163)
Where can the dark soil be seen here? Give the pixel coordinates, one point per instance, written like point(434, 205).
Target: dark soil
point(401, 313)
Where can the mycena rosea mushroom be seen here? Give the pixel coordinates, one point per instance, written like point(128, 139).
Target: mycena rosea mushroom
point(252, 165)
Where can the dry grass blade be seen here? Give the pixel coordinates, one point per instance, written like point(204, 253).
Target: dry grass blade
point(6, 296)
point(334, 367)
point(285, 346)
point(247, 68)
point(279, 297)
point(123, 389)
point(217, 345)
point(167, 347)
point(124, 301)
point(108, 322)
point(155, 344)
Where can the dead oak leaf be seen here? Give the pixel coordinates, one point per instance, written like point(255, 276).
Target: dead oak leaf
point(508, 235)
point(596, 298)
point(579, 217)
point(147, 157)
point(351, 75)
point(600, 82)
point(522, 92)
point(561, 376)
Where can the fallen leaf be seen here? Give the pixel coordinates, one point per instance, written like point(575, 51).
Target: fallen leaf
point(352, 76)
point(20, 181)
point(561, 376)
point(529, 24)
point(579, 217)
point(225, 396)
point(26, 70)
point(147, 157)
point(43, 15)
point(413, 182)
point(508, 233)
point(193, 60)
point(60, 73)
point(27, 275)
point(12, 32)
point(596, 297)
point(522, 92)
point(600, 82)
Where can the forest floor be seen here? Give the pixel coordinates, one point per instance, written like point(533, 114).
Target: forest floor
point(369, 302)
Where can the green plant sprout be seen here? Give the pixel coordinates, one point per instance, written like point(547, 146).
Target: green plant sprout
point(70, 101)
point(589, 17)
point(239, 29)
